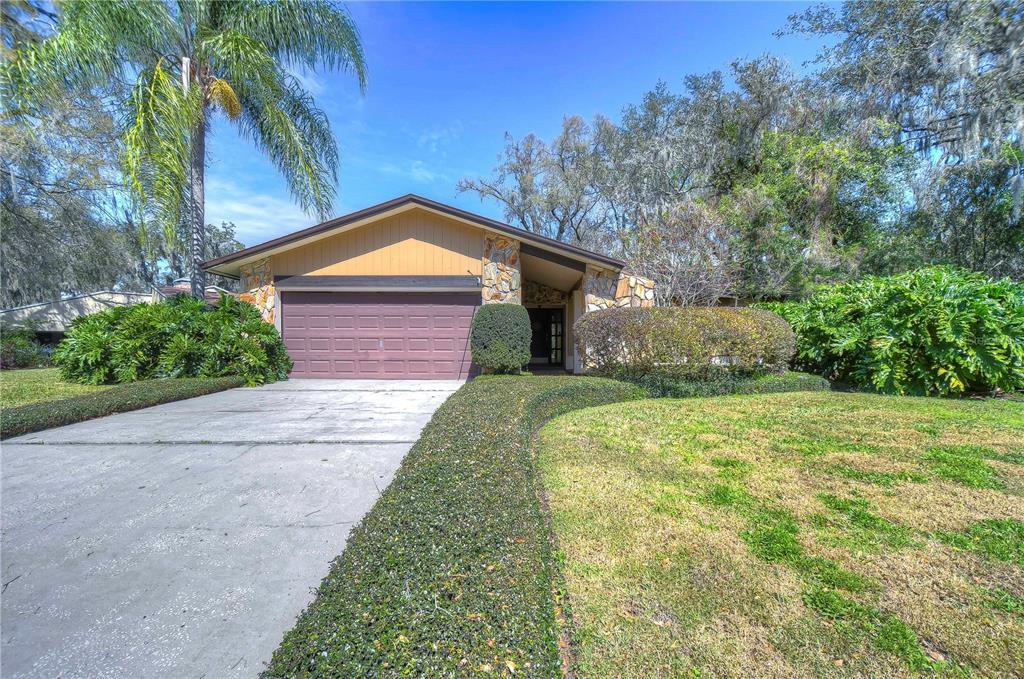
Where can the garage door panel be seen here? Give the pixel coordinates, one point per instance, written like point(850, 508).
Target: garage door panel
point(425, 335)
point(419, 344)
point(318, 367)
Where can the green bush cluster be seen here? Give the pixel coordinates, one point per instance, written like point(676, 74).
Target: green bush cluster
point(19, 348)
point(660, 386)
point(179, 337)
point(119, 399)
point(500, 338)
point(935, 331)
point(451, 571)
point(683, 342)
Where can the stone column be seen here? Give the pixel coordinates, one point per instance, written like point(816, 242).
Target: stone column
point(634, 291)
point(257, 281)
point(604, 289)
point(502, 272)
point(599, 288)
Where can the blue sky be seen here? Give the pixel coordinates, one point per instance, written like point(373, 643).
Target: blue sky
point(446, 81)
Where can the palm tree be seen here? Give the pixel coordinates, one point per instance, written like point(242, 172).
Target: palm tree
point(185, 60)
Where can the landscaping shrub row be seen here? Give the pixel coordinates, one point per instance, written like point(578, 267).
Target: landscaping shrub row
point(179, 337)
point(683, 342)
point(659, 386)
point(118, 399)
point(937, 331)
point(450, 572)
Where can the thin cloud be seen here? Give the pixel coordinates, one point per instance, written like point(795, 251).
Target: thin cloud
point(439, 138)
point(258, 216)
point(416, 171)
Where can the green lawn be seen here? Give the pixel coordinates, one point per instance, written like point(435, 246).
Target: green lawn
point(803, 534)
point(18, 387)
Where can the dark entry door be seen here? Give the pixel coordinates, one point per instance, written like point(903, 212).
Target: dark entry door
point(547, 341)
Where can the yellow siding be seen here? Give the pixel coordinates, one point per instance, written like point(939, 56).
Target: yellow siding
point(412, 243)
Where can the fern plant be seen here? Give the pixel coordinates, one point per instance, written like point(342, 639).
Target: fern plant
point(180, 337)
point(934, 331)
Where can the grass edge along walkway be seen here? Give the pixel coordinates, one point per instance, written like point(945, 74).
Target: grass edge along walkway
point(120, 398)
point(451, 571)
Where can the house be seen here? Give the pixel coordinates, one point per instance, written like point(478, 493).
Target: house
point(52, 319)
point(390, 291)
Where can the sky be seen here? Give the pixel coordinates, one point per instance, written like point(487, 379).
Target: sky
point(448, 80)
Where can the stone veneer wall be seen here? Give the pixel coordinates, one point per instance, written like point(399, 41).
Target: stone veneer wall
point(537, 293)
point(502, 272)
point(257, 280)
point(604, 289)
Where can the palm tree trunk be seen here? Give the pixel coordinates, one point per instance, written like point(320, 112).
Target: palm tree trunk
point(198, 230)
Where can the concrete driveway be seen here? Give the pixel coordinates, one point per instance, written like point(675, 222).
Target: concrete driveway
point(182, 540)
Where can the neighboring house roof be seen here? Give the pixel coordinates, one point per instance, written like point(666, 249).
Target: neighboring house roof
point(228, 264)
point(182, 286)
point(56, 315)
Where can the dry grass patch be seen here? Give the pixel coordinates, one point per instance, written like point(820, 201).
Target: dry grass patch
point(811, 534)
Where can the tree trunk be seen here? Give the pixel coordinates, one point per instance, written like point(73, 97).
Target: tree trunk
point(198, 217)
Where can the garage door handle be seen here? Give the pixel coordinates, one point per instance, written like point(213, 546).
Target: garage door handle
point(380, 344)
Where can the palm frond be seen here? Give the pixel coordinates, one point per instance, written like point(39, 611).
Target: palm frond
point(242, 60)
point(158, 146)
point(285, 124)
point(309, 33)
point(98, 40)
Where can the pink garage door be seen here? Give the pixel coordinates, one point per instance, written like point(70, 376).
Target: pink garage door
point(378, 334)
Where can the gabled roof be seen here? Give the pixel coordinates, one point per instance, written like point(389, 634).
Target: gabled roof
point(224, 264)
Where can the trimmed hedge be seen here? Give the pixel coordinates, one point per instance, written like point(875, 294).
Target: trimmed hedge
point(937, 331)
point(118, 399)
point(666, 387)
point(179, 337)
point(684, 342)
point(500, 337)
point(451, 571)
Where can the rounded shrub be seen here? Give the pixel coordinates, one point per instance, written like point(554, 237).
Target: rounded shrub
point(683, 342)
point(934, 331)
point(179, 337)
point(19, 348)
point(500, 338)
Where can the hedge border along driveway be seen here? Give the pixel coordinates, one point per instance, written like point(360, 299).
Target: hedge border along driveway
point(121, 398)
point(451, 572)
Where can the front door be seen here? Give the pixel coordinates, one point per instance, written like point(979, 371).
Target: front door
point(547, 341)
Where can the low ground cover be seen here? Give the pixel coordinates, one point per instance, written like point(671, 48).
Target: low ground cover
point(450, 573)
point(31, 385)
point(101, 401)
point(725, 383)
point(801, 534)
